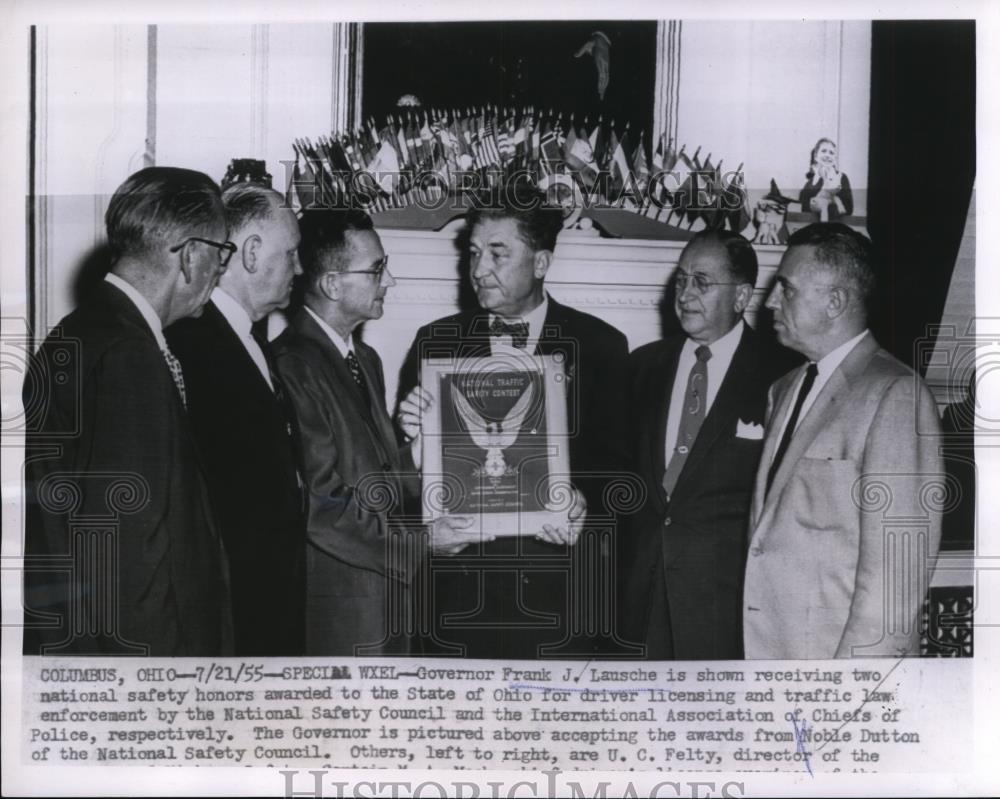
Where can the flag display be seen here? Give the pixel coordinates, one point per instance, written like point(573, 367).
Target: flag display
point(423, 157)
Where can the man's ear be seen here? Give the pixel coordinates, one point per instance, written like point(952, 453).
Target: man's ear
point(248, 252)
point(543, 260)
point(837, 302)
point(329, 286)
point(743, 296)
point(187, 260)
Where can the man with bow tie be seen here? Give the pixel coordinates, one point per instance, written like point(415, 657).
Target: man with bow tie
point(360, 554)
point(245, 425)
point(527, 604)
point(698, 399)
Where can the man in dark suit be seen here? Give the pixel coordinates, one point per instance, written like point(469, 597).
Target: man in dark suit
point(698, 399)
point(359, 555)
point(527, 604)
point(122, 554)
point(244, 424)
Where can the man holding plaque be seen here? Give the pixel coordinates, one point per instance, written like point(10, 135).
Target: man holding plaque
point(359, 555)
point(698, 400)
point(522, 595)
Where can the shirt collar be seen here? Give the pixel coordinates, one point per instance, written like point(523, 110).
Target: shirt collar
point(722, 348)
point(342, 346)
point(239, 320)
point(826, 365)
point(142, 304)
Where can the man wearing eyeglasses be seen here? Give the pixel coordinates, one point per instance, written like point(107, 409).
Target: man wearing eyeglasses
point(122, 553)
point(244, 423)
point(699, 400)
point(360, 557)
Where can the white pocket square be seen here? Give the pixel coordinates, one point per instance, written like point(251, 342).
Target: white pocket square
point(750, 430)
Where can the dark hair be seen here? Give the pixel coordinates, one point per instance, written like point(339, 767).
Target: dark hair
point(160, 205)
point(742, 256)
point(538, 224)
point(845, 252)
point(812, 156)
point(323, 232)
point(247, 202)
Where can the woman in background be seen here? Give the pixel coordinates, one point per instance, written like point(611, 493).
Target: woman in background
point(827, 191)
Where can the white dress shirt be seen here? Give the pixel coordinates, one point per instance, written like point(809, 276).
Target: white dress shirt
point(723, 350)
point(239, 320)
point(536, 321)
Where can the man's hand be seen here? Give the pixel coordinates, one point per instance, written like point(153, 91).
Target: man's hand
point(451, 534)
point(410, 418)
point(600, 48)
point(563, 536)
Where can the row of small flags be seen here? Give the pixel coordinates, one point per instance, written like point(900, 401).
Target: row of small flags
point(420, 158)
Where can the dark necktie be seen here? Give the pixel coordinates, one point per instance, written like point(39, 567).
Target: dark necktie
point(357, 374)
point(518, 331)
point(259, 332)
point(793, 420)
point(692, 416)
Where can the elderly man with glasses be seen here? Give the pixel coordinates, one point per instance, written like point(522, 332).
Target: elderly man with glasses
point(360, 557)
point(699, 399)
point(109, 438)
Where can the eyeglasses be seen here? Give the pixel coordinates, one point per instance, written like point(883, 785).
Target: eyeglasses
point(226, 248)
point(380, 266)
point(682, 280)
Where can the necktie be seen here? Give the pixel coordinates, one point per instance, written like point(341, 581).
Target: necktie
point(357, 374)
point(692, 416)
point(176, 373)
point(518, 331)
point(793, 420)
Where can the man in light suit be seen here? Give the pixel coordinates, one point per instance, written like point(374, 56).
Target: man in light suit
point(244, 423)
point(360, 556)
point(517, 597)
point(122, 554)
point(852, 444)
point(698, 401)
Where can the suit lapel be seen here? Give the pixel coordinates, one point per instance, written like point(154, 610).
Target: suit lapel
point(238, 357)
point(380, 419)
point(724, 407)
point(342, 377)
point(661, 387)
point(818, 416)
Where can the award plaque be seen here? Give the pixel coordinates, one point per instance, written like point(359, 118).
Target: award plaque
point(495, 441)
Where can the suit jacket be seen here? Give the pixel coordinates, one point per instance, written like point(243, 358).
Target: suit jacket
point(524, 604)
point(823, 540)
point(246, 441)
point(125, 461)
point(683, 560)
point(359, 557)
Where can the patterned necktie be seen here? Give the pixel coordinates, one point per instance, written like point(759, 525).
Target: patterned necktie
point(357, 374)
point(518, 331)
point(793, 420)
point(176, 373)
point(692, 415)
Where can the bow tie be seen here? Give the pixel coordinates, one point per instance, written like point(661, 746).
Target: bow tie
point(518, 331)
